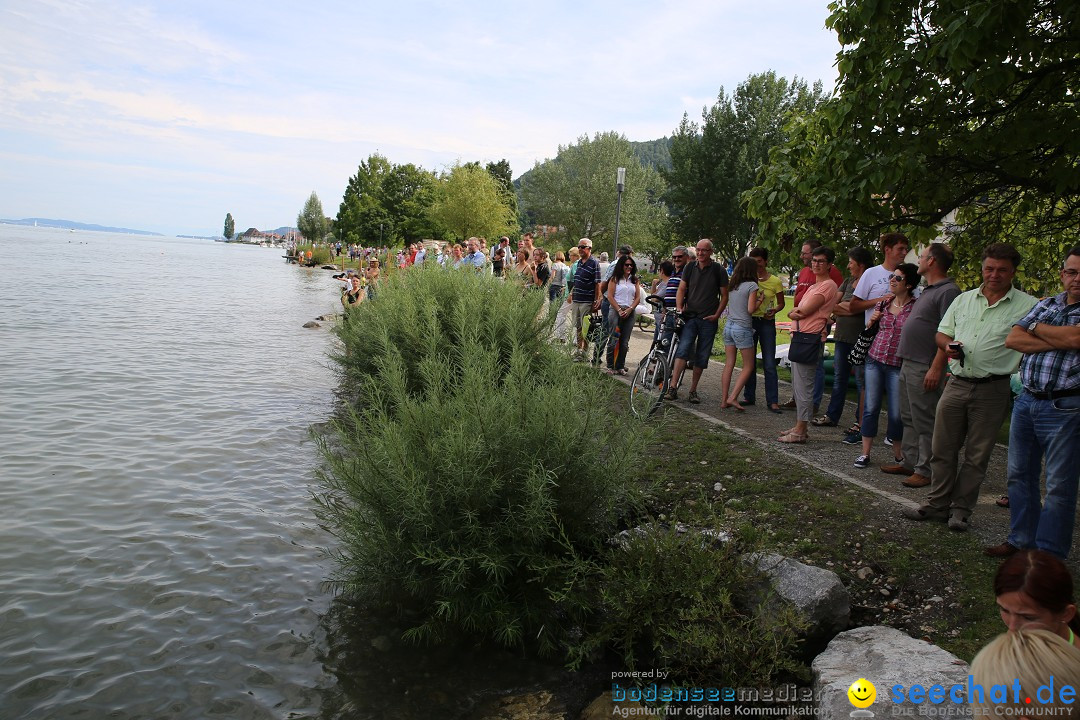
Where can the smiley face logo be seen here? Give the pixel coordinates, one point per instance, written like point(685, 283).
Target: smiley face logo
point(862, 693)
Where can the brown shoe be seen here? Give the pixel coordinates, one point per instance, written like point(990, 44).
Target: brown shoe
point(1003, 550)
point(894, 469)
point(915, 481)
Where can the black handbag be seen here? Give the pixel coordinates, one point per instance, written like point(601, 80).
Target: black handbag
point(857, 354)
point(805, 347)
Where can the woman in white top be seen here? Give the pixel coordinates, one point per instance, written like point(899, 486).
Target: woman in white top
point(623, 294)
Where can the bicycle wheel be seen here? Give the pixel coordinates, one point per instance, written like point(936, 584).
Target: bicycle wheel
point(650, 384)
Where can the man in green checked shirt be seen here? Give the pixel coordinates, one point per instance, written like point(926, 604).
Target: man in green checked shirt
point(974, 404)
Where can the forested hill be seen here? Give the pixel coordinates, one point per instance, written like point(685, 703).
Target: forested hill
point(655, 153)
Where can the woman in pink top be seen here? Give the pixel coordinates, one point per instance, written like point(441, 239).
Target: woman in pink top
point(813, 311)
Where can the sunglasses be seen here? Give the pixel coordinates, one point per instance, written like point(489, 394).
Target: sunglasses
point(897, 278)
point(583, 247)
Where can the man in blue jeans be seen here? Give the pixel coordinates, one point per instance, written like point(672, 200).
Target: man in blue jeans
point(702, 297)
point(1046, 422)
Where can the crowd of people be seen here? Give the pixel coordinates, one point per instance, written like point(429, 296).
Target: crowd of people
point(940, 359)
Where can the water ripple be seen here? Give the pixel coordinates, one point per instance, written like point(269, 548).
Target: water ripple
point(158, 556)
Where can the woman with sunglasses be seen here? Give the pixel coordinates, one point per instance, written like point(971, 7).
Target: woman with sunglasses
point(882, 371)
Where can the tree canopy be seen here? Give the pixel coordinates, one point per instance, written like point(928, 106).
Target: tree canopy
point(576, 192)
point(940, 106)
point(230, 227)
point(311, 222)
point(714, 163)
point(471, 202)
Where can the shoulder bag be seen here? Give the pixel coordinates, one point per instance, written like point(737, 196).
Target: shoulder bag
point(857, 354)
point(805, 347)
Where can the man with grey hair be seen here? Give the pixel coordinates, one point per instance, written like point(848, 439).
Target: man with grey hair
point(701, 298)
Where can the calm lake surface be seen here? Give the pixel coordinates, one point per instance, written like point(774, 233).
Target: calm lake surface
point(158, 553)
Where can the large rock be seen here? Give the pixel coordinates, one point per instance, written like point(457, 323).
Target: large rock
point(541, 705)
point(886, 657)
point(816, 593)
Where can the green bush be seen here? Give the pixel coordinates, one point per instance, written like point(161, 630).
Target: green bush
point(680, 602)
point(476, 471)
point(319, 255)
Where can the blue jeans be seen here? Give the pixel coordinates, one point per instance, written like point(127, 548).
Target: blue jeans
point(619, 339)
point(881, 379)
point(696, 341)
point(765, 335)
point(555, 293)
point(842, 370)
point(1043, 428)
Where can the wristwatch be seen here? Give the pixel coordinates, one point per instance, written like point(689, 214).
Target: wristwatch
point(1031, 328)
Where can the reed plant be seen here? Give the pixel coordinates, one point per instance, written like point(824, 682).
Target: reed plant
point(475, 472)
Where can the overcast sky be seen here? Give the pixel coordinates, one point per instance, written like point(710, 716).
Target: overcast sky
point(164, 116)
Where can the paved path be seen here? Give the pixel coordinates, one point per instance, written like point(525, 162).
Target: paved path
point(825, 451)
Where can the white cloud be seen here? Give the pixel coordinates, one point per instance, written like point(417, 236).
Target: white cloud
point(218, 94)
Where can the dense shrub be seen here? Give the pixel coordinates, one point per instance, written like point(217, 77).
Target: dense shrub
point(319, 255)
point(679, 602)
point(475, 471)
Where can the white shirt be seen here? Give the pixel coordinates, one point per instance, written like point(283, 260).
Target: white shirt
point(626, 293)
point(873, 284)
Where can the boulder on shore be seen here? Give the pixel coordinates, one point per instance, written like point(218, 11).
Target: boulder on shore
point(886, 657)
point(816, 593)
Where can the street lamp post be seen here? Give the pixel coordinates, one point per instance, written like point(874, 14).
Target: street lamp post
point(620, 177)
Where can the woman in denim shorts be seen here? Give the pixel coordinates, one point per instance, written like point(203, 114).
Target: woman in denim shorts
point(743, 300)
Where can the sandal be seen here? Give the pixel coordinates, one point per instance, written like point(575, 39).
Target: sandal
point(794, 438)
point(1002, 501)
point(823, 421)
point(855, 428)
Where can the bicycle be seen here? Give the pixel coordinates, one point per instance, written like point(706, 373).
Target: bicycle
point(653, 376)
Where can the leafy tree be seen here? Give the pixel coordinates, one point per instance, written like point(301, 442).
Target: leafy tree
point(230, 227)
point(311, 222)
point(388, 201)
point(406, 195)
point(470, 202)
point(940, 106)
point(501, 172)
point(714, 163)
point(576, 191)
point(361, 216)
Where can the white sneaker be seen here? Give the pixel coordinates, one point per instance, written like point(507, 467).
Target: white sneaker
point(862, 462)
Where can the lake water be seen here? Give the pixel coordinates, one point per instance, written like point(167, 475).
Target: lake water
point(158, 553)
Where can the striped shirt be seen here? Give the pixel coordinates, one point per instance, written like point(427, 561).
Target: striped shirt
point(1051, 370)
point(672, 289)
point(585, 281)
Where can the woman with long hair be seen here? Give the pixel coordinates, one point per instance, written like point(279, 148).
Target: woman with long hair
point(743, 301)
point(623, 294)
point(881, 376)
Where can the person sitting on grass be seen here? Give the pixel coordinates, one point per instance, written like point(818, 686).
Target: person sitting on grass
point(743, 300)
